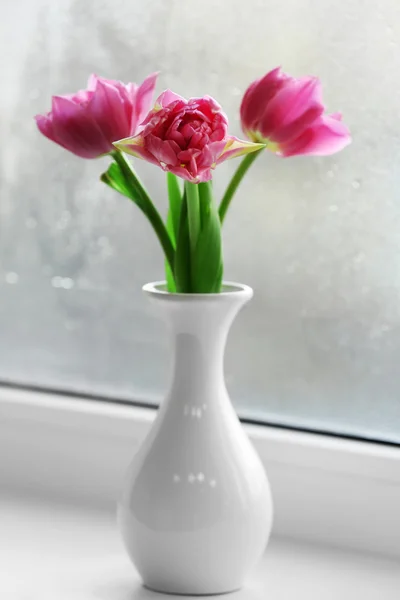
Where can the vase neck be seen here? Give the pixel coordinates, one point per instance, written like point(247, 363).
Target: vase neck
point(199, 326)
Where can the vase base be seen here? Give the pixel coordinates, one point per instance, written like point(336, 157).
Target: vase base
point(172, 592)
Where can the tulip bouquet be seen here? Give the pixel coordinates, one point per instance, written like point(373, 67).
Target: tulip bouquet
point(188, 139)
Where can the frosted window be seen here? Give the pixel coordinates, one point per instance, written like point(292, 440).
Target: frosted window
point(318, 239)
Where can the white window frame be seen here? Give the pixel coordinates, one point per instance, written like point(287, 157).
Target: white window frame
point(326, 489)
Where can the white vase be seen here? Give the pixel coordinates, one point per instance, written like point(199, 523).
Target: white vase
point(196, 509)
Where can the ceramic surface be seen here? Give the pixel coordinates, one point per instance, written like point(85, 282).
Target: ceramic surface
point(196, 510)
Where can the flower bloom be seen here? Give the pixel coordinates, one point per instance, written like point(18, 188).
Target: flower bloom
point(88, 122)
point(187, 137)
point(287, 114)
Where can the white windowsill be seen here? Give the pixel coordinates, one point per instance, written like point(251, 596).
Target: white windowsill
point(50, 551)
point(61, 465)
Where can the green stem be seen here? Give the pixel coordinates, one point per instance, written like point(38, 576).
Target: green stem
point(175, 205)
point(235, 181)
point(147, 206)
point(193, 207)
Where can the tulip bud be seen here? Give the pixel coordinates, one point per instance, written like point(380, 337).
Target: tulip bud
point(88, 122)
point(287, 114)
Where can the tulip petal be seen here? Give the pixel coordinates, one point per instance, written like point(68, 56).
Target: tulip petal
point(82, 96)
point(92, 82)
point(108, 110)
point(210, 154)
point(257, 96)
point(327, 136)
point(209, 107)
point(183, 173)
point(75, 129)
point(203, 175)
point(135, 147)
point(144, 98)
point(164, 151)
point(88, 121)
point(129, 98)
point(64, 108)
point(166, 98)
point(235, 147)
point(293, 130)
point(45, 126)
point(293, 108)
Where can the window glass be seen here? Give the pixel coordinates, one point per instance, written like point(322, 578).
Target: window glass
point(317, 238)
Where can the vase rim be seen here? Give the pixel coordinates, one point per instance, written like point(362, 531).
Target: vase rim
point(229, 289)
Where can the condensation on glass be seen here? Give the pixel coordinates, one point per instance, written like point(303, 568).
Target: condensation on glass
point(318, 239)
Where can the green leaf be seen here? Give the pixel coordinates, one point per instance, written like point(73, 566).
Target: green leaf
point(115, 178)
point(207, 263)
point(182, 254)
point(121, 177)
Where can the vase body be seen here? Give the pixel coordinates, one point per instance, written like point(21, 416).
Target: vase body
point(196, 510)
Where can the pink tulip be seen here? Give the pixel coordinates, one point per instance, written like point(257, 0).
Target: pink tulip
point(287, 114)
point(187, 137)
point(88, 122)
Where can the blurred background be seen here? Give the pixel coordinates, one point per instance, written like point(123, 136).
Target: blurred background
point(317, 238)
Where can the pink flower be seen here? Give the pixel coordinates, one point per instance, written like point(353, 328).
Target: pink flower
point(187, 137)
point(88, 122)
point(287, 114)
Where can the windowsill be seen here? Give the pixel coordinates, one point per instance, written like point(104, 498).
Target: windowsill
point(52, 550)
point(62, 460)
